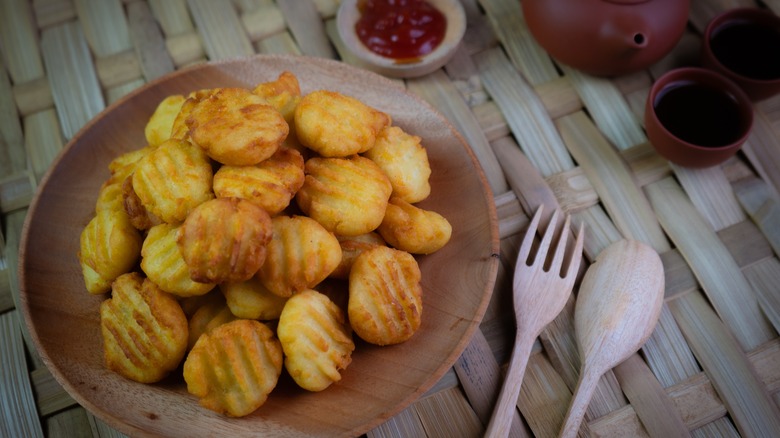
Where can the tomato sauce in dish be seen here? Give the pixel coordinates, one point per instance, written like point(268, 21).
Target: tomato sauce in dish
point(404, 30)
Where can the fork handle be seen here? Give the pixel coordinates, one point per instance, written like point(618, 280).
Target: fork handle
point(501, 420)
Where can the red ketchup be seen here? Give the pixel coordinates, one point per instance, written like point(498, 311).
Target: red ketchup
point(404, 30)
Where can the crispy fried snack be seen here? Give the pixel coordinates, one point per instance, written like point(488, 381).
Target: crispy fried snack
point(144, 330)
point(109, 247)
point(236, 127)
point(173, 179)
point(224, 239)
point(179, 130)
point(404, 161)
point(348, 196)
point(301, 254)
point(335, 125)
point(212, 313)
point(270, 184)
point(284, 94)
point(385, 296)
point(140, 217)
point(251, 300)
point(351, 247)
point(233, 368)
point(412, 229)
point(163, 263)
point(316, 342)
point(160, 125)
point(121, 168)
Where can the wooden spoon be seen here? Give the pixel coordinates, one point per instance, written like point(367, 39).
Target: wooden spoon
point(618, 306)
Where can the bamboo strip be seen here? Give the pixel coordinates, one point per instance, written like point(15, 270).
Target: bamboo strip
point(765, 278)
point(33, 96)
point(678, 277)
point(43, 141)
point(327, 8)
point(306, 26)
point(263, 22)
point(12, 156)
point(510, 28)
point(19, 41)
point(619, 423)
point(648, 399)
point(544, 397)
point(220, 29)
point(148, 41)
point(645, 163)
point(745, 243)
point(524, 112)
point(75, 87)
point(711, 194)
point(345, 54)
point(447, 413)
point(104, 25)
point(511, 217)
point(720, 428)
point(437, 89)
point(559, 97)
point(16, 398)
point(573, 189)
point(447, 381)
point(118, 69)
point(172, 16)
point(697, 401)
point(71, 421)
point(280, 43)
point(185, 48)
point(731, 373)
point(479, 33)
point(245, 6)
point(601, 230)
point(490, 119)
point(461, 69)
point(608, 108)
point(717, 272)
point(115, 93)
point(406, 423)
point(612, 180)
point(101, 429)
point(52, 12)
point(763, 150)
point(50, 397)
point(758, 200)
point(765, 360)
point(667, 354)
point(16, 191)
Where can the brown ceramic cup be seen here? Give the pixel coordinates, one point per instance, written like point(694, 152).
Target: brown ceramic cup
point(696, 117)
point(744, 45)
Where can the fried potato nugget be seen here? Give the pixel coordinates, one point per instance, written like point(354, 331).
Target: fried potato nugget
point(284, 94)
point(251, 300)
point(163, 263)
point(109, 247)
point(413, 229)
point(351, 247)
point(160, 125)
point(224, 239)
point(233, 368)
point(173, 179)
point(179, 130)
point(236, 127)
point(301, 254)
point(270, 185)
point(140, 217)
point(385, 296)
point(348, 196)
point(404, 161)
point(335, 125)
point(212, 313)
point(316, 342)
point(144, 330)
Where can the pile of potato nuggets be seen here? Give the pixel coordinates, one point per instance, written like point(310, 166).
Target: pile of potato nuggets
point(220, 242)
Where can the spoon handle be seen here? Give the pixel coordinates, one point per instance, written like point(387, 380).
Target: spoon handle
point(501, 420)
point(579, 402)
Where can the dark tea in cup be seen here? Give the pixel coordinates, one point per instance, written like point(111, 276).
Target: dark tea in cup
point(744, 45)
point(695, 117)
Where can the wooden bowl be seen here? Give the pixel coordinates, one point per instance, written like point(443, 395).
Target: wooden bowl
point(348, 14)
point(63, 318)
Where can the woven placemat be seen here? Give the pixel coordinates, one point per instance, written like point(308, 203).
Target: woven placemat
point(544, 134)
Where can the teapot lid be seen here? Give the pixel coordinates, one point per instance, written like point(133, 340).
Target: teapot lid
point(626, 2)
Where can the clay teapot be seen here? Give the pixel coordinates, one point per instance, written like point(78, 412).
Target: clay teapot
point(607, 37)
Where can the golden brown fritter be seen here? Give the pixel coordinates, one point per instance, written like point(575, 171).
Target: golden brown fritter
point(224, 239)
point(236, 127)
point(164, 264)
point(351, 247)
point(348, 196)
point(335, 125)
point(270, 184)
point(301, 254)
point(385, 296)
point(109, 247)
point(210, 314)
point(251, 300)
point(315, 339)
point(179, 130)
point(413, 229)
point(233, 368)
point(173, 179)
point(284, 94)
point(140, 217)
point(144, 330)
point(160, 125)
point(404, 161)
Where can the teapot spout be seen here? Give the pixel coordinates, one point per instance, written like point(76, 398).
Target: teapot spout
point(624, 36)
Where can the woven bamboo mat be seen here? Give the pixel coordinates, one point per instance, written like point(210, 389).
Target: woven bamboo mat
point(543, 133)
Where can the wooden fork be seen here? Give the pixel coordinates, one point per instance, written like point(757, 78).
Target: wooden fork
point(539, 294)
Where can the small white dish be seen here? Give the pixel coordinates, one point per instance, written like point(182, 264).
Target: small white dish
point(348, 15)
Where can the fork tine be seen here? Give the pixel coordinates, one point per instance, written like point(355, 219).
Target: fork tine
point(560, 250)
point(574, 264)
point(541, 255)
point(528, 240)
